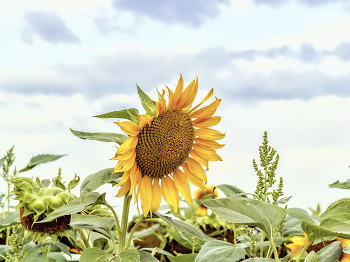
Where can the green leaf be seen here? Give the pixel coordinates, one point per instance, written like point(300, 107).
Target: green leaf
point(120, 114)
point(130, 255)
point(284, 200)
point(300, 214)
point(61, 246)
point(161, 251)
point(343, 185)
point(92, 222)
point(102, 137)
point(311, 257)
point(10, 220)
point(185, 240)
point(146, 232)
point(286, 258)
point(147, 102)
point(229, 190)
point(315, 232)
point(258, 259)
point(45, 182)
point(73, 183)
point(183, 258)
point(339, 209)
point(220, 251)
point(241, 210)
point(40, 159)
point(34, 254)
point(2, 161)
point(93, 254)
point(57, 256)
point(147, 257)
point(185, 227)
point(94, 181)
point(329, 253)
point(292, 226)
point(72, 207)
point(278, 242)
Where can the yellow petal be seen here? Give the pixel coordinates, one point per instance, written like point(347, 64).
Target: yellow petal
point(201, 211)
point(206, 154)
point(145, 120)
point(199, 159)
point(133, 177)
point(193, 178)
point(209, 95)
point(171, 103)
point(170, 193)
point(146, 194)
point(207, 111)
point(127, 164)
point(208, 133)
point(129, 144)
point(125, 156)
point(207, 122)
point(156, 195)
point(196, 169)
point(182, 185)
point(160, 105)
point(118, 166)
point(124, 178)
point(124, 189)
point(209, 144)
point(178, 90)
point(188, 95)
point(129, 128)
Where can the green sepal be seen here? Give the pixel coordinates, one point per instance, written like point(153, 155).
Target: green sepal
point(146, 102)
point(134, 118)
point(73, 183)
point(120, 114)
point(27, 212)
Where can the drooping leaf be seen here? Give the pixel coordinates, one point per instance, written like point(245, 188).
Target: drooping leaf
point(120, 114)
point(72, 207)
point(341, 185)
point(147, 257)
point(40, 159)
point(94, 181)
point(329, 253)
point(147, 102)
point(300, 214)
point(183, 258)
point(230, 190)
point(102, 137)
point(93, 254)
point(185, 227)
point(220, 251)
point(73, 183)
point(241, 210)
point(314, 231)
point(92, 222)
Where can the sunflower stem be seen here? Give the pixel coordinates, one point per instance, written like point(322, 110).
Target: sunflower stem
point(84, 238)
point(303, 250)
point(116, 219)
point(124, 223)
point(273, 248)
point(133, 231)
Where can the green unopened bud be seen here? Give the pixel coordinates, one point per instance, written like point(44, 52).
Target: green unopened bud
point(56, 203)
point(64, 196)
point(39, 206)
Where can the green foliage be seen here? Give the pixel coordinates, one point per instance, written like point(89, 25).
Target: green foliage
point(40, 159)
point(146, 102)
point(229, 190)
point(125, 114)
point(329, 253)
point(183, 258)
point(343, 185)
point(92, 222)
point(102, 137)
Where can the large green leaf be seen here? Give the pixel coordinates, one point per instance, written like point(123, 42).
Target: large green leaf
point(94, 181)
point(311, 257)
point(185, 227)
point(329, 253)
point(300, 214)
point(40, 159)
point(147, 257)
point(241, 210)
point(72, 207)
point(102, 137)
point(183, 258)
point(130, 255)
point(34, 254)
point(230, 190)
point(341, 185)
point(92, 222)
point(147, 102)
point(314, 231)
point(120, 114)
point(259, 259)
point(291, 226)
point(220, 251)
point(278, 242)
point(10, 220)
point(93, 254)
point(339, 209)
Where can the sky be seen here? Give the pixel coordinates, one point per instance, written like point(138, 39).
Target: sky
point(281, 66)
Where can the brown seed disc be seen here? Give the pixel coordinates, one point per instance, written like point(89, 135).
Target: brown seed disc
point(58, 225)
point(165, 144)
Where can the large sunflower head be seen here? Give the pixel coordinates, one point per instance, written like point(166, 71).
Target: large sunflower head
point(167, 148)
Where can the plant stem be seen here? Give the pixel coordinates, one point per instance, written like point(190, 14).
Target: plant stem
point(84, 238)
point(234, 234)
point(48, 252)
point(133, 231)
point(124, 223)
point(273, 248)
point(113, 241)
point(116, 219)
point(303, 250)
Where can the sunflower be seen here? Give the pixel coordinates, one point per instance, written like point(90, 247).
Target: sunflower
point(201, 195)
point(168, 149)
